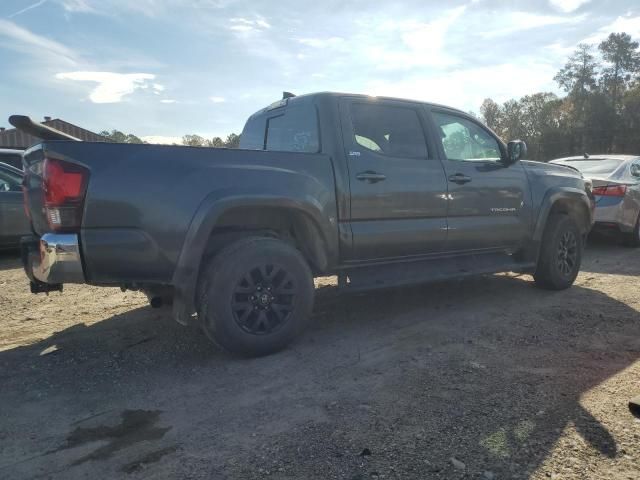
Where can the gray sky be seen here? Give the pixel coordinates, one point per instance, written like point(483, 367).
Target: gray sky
point(169, 67)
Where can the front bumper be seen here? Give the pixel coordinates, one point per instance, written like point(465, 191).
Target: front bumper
point(53, 259)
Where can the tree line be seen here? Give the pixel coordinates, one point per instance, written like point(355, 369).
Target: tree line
point(600, 112)
point(232, 140)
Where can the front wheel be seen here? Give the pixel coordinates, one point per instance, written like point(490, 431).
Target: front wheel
point(256, 296)
point(560, 254)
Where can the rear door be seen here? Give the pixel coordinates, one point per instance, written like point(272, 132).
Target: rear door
point(489, 204)
point(398, 188)
point(13, 221)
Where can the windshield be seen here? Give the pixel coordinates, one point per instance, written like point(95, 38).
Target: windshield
point(602, 166)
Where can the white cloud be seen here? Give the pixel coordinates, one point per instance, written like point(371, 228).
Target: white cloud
point(421, 43)
point(217, 99)
point(112, 87)
point(567, 6)
point(467, 88)
point(78, 6)
point(515, 22)
point(627, 23)
point(321, 42)
point(23, 40)
point(168, 100)
point(246, 25)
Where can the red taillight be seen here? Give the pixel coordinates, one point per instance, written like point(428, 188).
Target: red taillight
point(610, 190)
point(64, 186)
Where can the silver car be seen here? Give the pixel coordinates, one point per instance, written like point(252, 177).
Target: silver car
point(11, 157)
point(616, 188)
point(13, 220)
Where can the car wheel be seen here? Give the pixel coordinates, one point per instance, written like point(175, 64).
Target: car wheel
point(256, 296)
point(560, 254)
point(632, 239)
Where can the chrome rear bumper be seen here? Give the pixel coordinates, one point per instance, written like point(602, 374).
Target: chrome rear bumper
point(53, 259)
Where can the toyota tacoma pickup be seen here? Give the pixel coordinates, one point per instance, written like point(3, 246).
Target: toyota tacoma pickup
point(380, 192)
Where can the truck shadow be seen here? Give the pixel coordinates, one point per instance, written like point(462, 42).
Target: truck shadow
point(9, 259)
point(488, 370)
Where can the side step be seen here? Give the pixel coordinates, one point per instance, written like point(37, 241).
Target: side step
point(432, 270)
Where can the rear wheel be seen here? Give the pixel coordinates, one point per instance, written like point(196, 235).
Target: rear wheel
point(560, 254)
point(256, 296)
point(632, 239)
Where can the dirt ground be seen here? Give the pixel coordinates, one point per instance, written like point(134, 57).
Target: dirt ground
point(482, 378)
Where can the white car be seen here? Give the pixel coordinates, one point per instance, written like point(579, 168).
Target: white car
point(616, 188)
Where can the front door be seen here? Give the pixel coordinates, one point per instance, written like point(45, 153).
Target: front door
point(398, 187)
point(489, 206)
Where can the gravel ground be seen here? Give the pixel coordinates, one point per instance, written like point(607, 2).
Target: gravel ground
point(482, 378)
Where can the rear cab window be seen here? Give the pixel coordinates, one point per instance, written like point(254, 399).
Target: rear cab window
point(286, 126)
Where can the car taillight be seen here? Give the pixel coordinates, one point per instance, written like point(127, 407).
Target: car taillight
point(64, 186)
point(610, 190)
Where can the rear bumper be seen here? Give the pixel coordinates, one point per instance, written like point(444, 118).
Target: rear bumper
point(53, 259)
point(612, 212)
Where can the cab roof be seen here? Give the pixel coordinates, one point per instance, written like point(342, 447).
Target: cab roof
point(309, 97)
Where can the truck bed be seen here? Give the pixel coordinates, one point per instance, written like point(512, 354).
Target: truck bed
point(142, 200)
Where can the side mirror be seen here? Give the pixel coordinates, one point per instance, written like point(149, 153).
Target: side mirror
point(516, 150)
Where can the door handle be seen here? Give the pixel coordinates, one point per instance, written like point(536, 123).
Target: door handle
point(459, 178)
point(371, 177)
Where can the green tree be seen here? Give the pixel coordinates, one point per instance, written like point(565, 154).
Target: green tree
point(512, 120)
point(119, 137)
point(491, 114)
point(578, 76)
point(216, 142)
point(631, 120)
point(622, 63)
point(194, 141)
point(578, 79)
point(233, 141)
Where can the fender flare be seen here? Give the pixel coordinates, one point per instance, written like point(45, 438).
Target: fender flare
point(552, 197)
point(185, 277)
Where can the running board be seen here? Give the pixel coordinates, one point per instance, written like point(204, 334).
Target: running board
point(433, 270)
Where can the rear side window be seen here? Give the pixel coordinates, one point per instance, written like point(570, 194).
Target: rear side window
point(12, 159)
point(293, 129)
point(9, 182)
point(388, 130)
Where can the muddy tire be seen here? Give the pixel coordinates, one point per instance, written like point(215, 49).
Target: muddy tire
point(560, 254)
point(256, 296)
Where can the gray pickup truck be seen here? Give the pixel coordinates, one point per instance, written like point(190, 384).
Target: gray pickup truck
point(381, 192)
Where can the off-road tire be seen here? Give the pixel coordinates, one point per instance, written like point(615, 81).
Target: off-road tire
point(255, 296)
point(560, 253)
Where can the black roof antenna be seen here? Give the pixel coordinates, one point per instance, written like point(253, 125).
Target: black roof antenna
point(585, 155)
point(286, 95)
